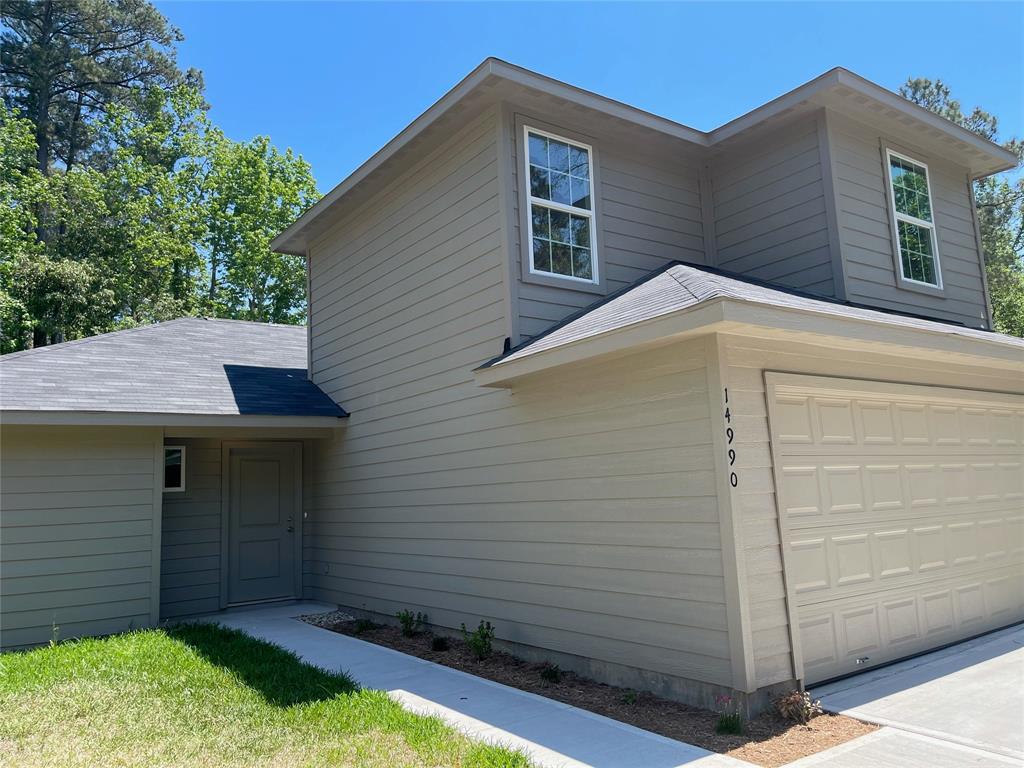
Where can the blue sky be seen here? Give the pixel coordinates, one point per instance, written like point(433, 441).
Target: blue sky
point(335, 81)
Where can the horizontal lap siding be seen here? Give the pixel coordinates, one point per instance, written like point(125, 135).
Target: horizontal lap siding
point(746, 360)
point(769, 210)
point(866, 230)
point(191, 540)
point(649, 212)
point(77, 532)
point(578, 513)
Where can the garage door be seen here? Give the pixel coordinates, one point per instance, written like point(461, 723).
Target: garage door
point(902, 516)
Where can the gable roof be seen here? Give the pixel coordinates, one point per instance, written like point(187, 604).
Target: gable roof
point(193, 366)
point(838, 89)
point(679, 288)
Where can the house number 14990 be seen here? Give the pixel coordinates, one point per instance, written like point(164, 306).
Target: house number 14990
point(730, 435)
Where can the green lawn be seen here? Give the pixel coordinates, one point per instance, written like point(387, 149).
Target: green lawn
point(201, 695)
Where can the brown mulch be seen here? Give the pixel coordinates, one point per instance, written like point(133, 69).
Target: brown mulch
point(767, 740)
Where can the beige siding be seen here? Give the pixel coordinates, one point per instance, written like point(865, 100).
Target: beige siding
point(746, 360)
point(769, 209)
point(866, 230)
point(192, 547)
point(577, 514)
point(191, 541)
point(80, 519)
point(648, 213)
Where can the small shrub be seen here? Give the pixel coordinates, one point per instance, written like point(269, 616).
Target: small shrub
point(629, 697)
point(438, 643)
point(412, 623)
point(552, 673)
point(730, 721)
point(798, 706)
point(480, 639)
point(363, 625)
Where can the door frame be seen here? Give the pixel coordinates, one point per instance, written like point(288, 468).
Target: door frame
point(225, 511)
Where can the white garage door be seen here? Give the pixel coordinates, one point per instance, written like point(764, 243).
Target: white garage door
point(902, 516)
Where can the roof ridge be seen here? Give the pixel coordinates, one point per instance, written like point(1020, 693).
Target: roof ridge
point(95, 337)
point(144, 327)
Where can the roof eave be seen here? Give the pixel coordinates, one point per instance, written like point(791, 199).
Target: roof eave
point(730, 315)
point(139, 419)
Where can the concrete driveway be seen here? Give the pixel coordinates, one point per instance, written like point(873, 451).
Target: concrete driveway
point(960, 706)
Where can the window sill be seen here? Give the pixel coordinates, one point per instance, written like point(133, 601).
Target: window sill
point(927, 290)
point(563, 283)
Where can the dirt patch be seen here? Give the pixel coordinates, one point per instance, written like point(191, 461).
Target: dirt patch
point(767, 740)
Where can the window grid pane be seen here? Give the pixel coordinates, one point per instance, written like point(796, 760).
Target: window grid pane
point(910, 189)
point(559, 171)
point(916, 252)
point(561, 243)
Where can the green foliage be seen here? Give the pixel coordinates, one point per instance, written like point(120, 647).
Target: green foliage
point(551, 673)
point(411, 623)
point(1000, 203)
point(439, 643)
point(730, 721)
point(253, 192)
point(363, 625)
point(120, 203)
point(629, 698)
point(205, 695)
point(480, 639)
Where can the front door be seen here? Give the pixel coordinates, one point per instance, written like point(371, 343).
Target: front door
point(263, 517)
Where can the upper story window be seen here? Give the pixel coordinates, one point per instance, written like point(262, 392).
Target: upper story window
point(562, 233)
point(914, 221)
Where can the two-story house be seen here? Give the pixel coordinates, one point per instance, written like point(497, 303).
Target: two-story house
point(683, 411)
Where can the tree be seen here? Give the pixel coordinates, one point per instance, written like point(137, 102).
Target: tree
point(1000, 203)
point(253, 193)
point(65, 62)
point(120, 203)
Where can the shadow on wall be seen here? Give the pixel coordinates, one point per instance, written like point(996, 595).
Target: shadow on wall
point(267, 391)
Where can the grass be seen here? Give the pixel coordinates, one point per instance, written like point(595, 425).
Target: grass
point(202, 695)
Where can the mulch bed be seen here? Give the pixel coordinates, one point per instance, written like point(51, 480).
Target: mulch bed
point(767, 740)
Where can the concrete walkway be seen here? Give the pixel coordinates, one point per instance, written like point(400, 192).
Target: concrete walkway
point(892, 748)
point(553, 734)
point(970, 694)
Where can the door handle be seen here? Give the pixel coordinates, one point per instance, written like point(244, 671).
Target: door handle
point(291, 529)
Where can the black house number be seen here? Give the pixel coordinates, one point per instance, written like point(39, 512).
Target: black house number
point(730, 435)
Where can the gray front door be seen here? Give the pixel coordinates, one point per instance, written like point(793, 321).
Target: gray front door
point(263, 519)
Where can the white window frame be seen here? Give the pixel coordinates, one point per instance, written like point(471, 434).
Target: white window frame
point(181, 448)
point(591, 215)
point(898, 217)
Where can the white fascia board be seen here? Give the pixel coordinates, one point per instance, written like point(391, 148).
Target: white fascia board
point(767, 321)
point(128, 418)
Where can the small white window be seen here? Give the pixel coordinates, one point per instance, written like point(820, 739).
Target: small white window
point(174, 468)
point(560, 220)
point(914, 220)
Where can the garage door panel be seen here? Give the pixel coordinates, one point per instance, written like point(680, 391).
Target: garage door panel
point(842, 636)
point(903, 513)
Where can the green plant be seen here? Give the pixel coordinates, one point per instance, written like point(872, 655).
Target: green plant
point(412, 623)
point(363, 625)
point(629, 697)
point(552, 673)
point(730, 721)
point(798, 706)
point(480, 639)
point(438, 643)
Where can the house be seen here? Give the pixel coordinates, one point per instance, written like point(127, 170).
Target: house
point(697, 413)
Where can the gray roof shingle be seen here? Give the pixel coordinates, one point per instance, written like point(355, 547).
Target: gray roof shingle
point(678, 287)
point(185, 366)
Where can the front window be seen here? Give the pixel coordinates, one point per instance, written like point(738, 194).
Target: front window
point(561, 207)
point(914, 221)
